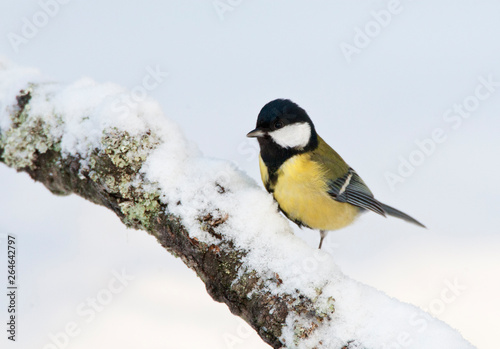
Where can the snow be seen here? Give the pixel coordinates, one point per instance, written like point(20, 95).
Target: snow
point(79, 114)
point(254, 224)
point(89, 110)
point(13, 80)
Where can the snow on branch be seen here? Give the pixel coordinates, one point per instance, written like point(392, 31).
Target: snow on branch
point(83, 138)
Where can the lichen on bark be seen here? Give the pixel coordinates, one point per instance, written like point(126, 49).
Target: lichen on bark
point(114, 167)
point(110, 175)
point(28, 135)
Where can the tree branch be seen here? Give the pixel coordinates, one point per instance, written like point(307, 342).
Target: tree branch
point(84, 139)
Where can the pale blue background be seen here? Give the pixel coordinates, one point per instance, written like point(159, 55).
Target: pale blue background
point(372, 110)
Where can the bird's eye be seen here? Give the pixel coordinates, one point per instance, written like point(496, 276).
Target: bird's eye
point(278, 124)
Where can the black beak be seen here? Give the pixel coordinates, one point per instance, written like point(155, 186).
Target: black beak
point(256, 133)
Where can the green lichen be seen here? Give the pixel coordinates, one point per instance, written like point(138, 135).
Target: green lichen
point(303, 332)
point(109, 181)
point(94, 176)
point(317, 314)
point(139, 211)
point(325, 307)
point(116, 167)
point(330, 307)
point(125, 150)
point(28, 136)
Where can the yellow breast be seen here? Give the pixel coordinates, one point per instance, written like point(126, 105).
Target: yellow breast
point(301, 191)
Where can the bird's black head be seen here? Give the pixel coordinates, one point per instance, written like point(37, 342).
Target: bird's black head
point(283, 129)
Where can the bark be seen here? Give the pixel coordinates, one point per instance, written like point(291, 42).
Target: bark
point(219, 266)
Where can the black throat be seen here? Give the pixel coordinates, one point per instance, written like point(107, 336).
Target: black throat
point(274, 155)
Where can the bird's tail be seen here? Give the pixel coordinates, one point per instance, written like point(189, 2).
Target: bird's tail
point(391, 211)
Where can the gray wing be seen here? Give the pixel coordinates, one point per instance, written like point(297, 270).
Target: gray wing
point(350, 188)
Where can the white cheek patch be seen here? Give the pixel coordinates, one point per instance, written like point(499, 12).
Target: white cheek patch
point(292, 136)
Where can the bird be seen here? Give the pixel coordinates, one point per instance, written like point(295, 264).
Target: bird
point(313, 186)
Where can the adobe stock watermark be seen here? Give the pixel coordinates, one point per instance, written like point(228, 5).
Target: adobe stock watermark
point(419, 321)
point(242, 332)
point(311, 264)
point(364, 36)
point(125, 102)
point(454, 117)
point(88, 310)
point(449, 294)
point(31, 25)
point(224, 6)
point(249, 148)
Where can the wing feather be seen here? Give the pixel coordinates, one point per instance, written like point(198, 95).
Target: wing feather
point(344, 184)
point(350, 188)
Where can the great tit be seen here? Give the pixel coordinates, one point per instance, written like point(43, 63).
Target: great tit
point(313, 185)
